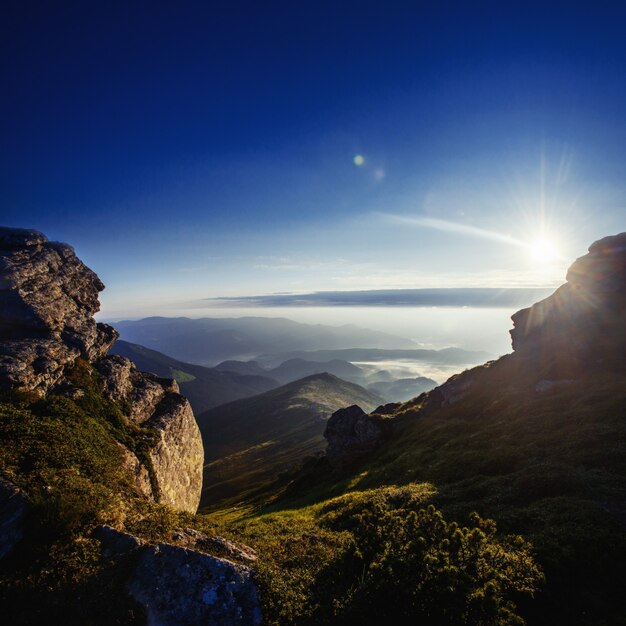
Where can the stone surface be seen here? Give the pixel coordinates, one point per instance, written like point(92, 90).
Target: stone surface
point(116, 543)
point(34, 364)
point(583, 319)
point(138, 472)
point(178, 456)
point(122, 382)
point(13, 509)
point(351, 434)
point(176, 586)
point(48, 298)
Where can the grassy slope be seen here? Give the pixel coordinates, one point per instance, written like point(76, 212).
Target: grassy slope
point(356, 557)
point(550, 466)
point(249, 442)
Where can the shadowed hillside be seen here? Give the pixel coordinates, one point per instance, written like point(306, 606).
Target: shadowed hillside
point(249, 442)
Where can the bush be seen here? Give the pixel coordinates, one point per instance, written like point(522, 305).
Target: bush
point(385, 556)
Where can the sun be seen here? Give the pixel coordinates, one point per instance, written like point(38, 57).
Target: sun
point(543, 250)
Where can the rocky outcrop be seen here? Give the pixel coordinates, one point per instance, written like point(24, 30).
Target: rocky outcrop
point(13, 509)
point(583, 319)
point(351, 434)
point(34, 364)
point(142, 392)
point(177, 585)
point(48, 298)
point(138, 473)
point(177, 457)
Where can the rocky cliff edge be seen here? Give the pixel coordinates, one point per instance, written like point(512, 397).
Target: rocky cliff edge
point(48, 299)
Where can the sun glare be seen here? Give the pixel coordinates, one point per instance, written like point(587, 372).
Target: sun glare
point(543, 250)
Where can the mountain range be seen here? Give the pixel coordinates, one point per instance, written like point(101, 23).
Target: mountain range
point(204, 387)
point(208, 341)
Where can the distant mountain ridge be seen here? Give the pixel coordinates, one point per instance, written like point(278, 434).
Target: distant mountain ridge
point(447, 356)
point(381, 382)
point(204, 387)
point(208, 341)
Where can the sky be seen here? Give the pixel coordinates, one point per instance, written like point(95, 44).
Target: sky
point(197, 150)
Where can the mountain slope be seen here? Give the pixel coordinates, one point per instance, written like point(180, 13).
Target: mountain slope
point(208, 341)
point(204, 387)
point(535, 440)
point(249, 442)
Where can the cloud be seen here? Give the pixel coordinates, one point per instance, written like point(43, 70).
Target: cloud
point(454, 227)
point(455, 297)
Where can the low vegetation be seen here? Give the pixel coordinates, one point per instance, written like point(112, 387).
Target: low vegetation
point(386, 556)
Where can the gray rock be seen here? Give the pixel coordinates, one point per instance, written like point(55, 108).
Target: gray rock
point(192, 538)
point(34, 364)
point(351, 434)
point(137, 471)
point(546, 385)
point(48, 298)
point(13, 509)
point(178, 456)
point(179, 586)
point(122, 382)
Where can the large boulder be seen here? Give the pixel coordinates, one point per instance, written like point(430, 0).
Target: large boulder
point(178, 456)
point(583, 320)
point(48, 298)
point(351, 434)
point(177, 585)
point(181, 586)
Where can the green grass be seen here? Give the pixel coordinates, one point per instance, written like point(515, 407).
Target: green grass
point(550, 466)
point(386, 556)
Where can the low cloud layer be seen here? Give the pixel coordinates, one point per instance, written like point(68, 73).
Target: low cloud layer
point(462, 297)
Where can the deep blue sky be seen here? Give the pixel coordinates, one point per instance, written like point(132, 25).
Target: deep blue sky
point(195, 149)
